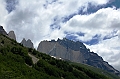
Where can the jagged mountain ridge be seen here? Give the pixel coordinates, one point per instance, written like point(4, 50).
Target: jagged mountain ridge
point(72, 47)
point(16, 63)
point(11, 34)
point(27, 43)
point(76, 52)
point(2, 31)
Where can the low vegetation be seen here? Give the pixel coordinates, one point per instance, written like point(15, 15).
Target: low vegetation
point(15, 63)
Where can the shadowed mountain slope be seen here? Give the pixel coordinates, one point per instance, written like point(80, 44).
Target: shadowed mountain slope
point(76, 52)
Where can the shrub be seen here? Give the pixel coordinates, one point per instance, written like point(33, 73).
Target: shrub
point(28, 60)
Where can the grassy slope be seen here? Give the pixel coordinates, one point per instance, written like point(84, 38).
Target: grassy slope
point(96, 70)
point(16, 64)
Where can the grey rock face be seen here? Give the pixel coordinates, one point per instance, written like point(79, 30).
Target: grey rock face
point(76, 52)
point(11, 34)
point(2, 31)
point(27, 43)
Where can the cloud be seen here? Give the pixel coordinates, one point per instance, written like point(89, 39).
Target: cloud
point(109, 50)
point(3, 11)
point(105, 23)
point(32, 19)
point(52, 19)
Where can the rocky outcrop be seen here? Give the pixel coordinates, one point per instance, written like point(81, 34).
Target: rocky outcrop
point(27, 43)
point(2, 31)
point(34, 59)
point(76, 52)
point(11, 35)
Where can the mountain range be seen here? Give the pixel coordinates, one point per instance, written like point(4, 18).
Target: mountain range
point(11, 34)
point(75, 52)
point(64, 49)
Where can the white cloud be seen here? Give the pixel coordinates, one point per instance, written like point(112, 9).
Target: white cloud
point(3, 12)
point(103, 23)
point(109, 50)
point(32, 19)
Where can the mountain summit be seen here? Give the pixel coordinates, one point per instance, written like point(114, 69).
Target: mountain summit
point(27, 43)
point(11, 34)
point(76, 52)
point(2, 31)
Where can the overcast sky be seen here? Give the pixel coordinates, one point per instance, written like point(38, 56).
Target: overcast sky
point(96, 23)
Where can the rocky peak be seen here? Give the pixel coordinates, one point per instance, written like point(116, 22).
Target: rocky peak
point(11, 34)
point(76, 52)
point(71, 44)
point(27, 43)
point(23, 41)
point(2, 31)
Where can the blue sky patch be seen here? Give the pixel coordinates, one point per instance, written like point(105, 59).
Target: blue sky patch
point(111, 35)
point(11, 4)
point(92, 8)
point(94, 40)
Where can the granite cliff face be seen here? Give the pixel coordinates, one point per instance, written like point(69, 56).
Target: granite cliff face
point(11, 34)
point(2, 31)
point(27, 43)
point(76, 52)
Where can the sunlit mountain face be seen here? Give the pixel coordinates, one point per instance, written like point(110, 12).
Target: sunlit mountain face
point(96, 23)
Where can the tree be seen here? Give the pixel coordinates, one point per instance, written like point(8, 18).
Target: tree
point(2, 41)
point(34, 52)
point(28, 60)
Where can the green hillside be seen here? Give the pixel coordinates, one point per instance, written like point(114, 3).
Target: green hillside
point(15, 63)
